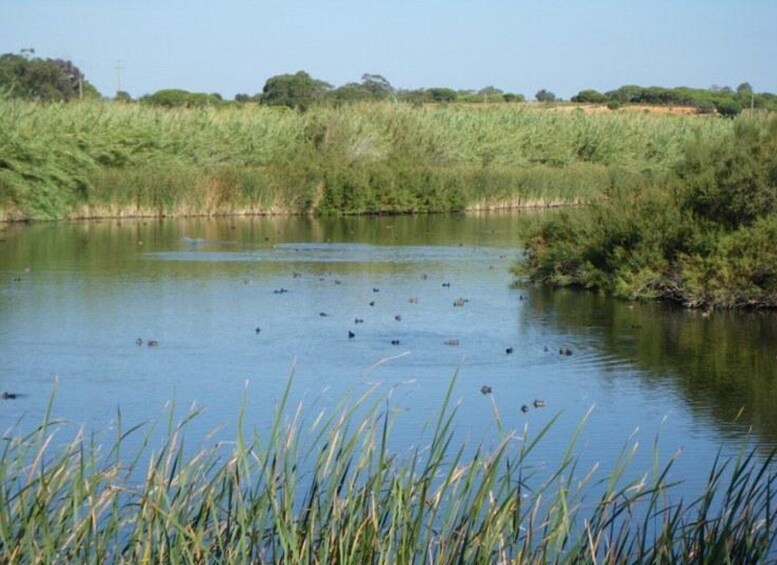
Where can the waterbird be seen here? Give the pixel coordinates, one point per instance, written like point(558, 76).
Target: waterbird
point(323, 314)
point(538, 403)
point(446, 284)
point(453, 342)
point(567, 351)
point(152, 343)
point(358, 321)
point(372, 303)
point(258, 331)
point(485, 389)
point(509, 351)
point(374, 289)
point(351, 335)
point(10, 395)
point(398, 318)
point(139, 342)
point(394, 342)
point(524, 409)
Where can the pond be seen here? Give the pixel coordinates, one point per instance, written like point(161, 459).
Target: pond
point(226, 311)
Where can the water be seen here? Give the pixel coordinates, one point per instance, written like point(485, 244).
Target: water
point(75, 297)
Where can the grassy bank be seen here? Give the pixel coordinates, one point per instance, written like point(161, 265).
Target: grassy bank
point(328, 489)
point(112, 159)
point(703, 236)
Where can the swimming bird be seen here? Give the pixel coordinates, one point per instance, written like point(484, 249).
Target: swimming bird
point(398, 318)
point(351, 335)
point(394, 342)
point(139, 342)
point(485, 389)
point(10, 395)
point(567, 351)
point(524, 409)
point(372, 303)
point(446, 284)
point(509, 351)
point(152, 343)
point(358, 321)
point(453, 342)
point(258, 331)
point(323, 314)
point(538, 403)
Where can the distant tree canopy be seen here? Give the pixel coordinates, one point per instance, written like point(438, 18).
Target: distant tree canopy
point(298, 91)
point(372, 87)
point(177, 98)
point(590, 97)
point(48, 80)
point(724, 100)
point(545, 96)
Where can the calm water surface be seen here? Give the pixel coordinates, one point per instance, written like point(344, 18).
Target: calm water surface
point(75, 297)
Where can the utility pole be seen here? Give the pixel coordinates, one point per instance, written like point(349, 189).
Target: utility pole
point(119, 68)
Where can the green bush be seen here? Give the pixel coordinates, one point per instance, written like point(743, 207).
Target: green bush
point(703, 236)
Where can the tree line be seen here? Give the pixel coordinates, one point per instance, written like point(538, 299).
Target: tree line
point(724, 100)
point(25, 76)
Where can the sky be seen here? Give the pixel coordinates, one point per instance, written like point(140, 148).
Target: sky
point(520, 46)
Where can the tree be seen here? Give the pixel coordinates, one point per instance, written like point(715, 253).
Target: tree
point(744, 90)
point(24, 76)
point(441, 94)
point(513, 97)
point(296, 91)
point(589, 96)
point(377, 86)
point(178, 98)
point(123, 96)
point(545, 96)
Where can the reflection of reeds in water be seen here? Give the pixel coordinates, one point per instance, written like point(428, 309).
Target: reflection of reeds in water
point(100, 158)
point(329, 489)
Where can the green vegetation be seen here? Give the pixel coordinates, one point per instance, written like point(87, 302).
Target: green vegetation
point(330, 489)
point(105, 158)
point(724, 100)
point(702, 235)
point(33, 78)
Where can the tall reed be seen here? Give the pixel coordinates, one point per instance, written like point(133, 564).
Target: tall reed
point(328, 488)
point(108, 158)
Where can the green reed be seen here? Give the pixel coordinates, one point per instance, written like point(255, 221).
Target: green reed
point(104, 158)
point(327, 487)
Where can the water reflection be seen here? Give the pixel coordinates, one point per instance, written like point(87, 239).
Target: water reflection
point(723, 365)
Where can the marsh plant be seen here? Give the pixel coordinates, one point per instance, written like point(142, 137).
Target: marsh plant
point(327, 487)
point(110, 159)
point(702, 237)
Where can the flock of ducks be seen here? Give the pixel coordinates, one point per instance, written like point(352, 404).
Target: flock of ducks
point(458, 303)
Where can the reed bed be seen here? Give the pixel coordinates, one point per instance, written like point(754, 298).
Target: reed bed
point(101, 157)
point(327, 488)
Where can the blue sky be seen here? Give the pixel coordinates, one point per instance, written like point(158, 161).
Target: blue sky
point(233, 46)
